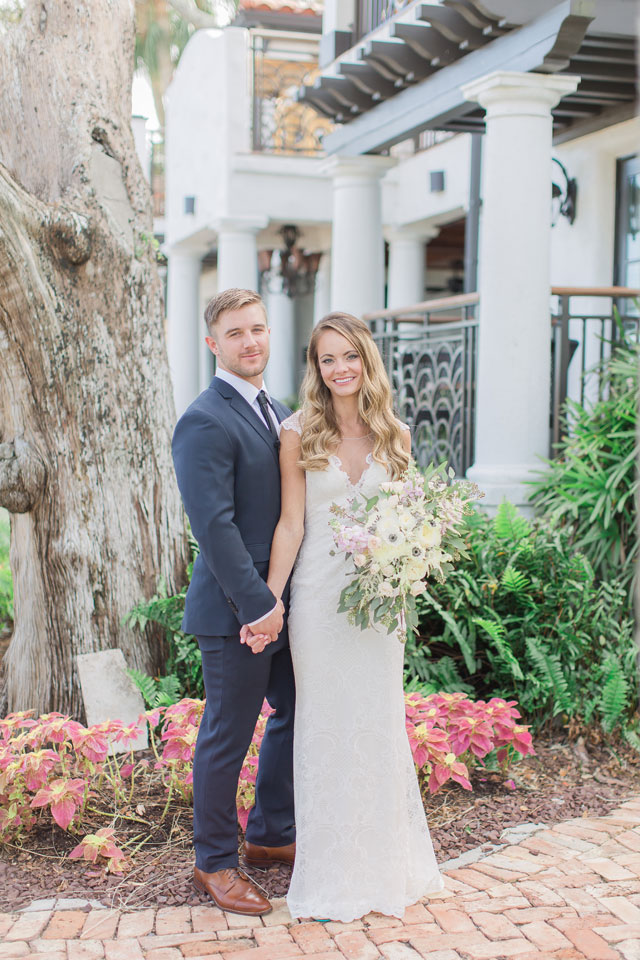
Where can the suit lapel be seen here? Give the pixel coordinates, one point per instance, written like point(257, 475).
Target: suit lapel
point(242, 408)
point(282, 411)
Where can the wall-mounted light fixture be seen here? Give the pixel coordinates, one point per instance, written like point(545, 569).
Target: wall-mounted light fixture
point(296, 273)
point(563, 196)
point(189, 204)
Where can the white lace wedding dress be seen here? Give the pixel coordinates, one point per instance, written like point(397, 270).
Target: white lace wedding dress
point(362, 838)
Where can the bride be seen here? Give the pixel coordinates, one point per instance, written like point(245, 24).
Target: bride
point(362, 838)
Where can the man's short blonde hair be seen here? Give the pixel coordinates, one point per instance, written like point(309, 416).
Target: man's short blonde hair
point(231, 299)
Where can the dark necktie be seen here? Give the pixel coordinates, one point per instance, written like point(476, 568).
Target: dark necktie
point(263, 403)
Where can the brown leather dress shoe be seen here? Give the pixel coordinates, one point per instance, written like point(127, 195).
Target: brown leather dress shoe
point(231, 891)
point(256, 856)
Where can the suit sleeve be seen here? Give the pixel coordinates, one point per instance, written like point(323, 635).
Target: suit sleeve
point(204, 464)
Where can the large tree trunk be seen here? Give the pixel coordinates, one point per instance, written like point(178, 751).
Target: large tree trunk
point(86, 404)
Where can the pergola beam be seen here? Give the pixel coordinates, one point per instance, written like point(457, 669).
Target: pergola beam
point(539, 45)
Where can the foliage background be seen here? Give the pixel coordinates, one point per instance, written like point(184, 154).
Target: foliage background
point(6, 582)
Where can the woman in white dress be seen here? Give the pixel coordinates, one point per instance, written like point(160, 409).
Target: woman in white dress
point(362, 838)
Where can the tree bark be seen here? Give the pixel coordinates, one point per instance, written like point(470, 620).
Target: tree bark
point(86, 404)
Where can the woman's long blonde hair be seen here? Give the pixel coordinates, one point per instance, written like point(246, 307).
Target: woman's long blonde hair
point(320, 432)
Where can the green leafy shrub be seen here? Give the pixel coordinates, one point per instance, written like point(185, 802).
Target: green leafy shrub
point(524, 616)
point(590, 487)
point(6, 580)
point(184, 662)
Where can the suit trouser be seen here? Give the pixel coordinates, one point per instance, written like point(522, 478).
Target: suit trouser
point(236, 682)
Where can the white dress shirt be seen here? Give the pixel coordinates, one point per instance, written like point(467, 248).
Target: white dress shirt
point(250, 393)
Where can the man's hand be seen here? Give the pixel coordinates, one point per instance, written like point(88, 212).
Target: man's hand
point(265, 631)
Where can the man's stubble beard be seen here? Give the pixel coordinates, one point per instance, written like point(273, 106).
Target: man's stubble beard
point(241, 372)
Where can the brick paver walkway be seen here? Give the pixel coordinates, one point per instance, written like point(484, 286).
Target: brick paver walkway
point(570, 891)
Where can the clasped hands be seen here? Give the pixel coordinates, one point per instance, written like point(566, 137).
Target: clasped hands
point(264, 631)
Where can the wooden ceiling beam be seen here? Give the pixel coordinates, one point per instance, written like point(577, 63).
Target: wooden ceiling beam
point(608, 73)
point(398, 57)
point(451, 25)
point(369, 80)
point(489, 24)
point(346, 93)
point(426, 42)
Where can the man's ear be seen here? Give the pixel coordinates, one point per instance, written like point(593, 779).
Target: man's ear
point(212, 344)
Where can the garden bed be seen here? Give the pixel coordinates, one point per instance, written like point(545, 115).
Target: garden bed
point(561, 781)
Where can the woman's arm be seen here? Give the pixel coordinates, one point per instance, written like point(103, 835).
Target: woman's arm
point(290, 529)
point(406, 440)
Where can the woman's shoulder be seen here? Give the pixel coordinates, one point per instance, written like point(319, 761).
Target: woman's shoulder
point(294, 422)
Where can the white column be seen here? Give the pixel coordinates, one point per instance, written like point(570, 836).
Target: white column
point(322, 293)
point(357, 251)
point(185, 326)
point(238, 252)
point(513, 378)
point(406, 277)
point(282, 368)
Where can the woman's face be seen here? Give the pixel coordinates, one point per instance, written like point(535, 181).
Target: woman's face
point(340, 364)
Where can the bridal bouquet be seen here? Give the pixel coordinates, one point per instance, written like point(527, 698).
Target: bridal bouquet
point(409, 531)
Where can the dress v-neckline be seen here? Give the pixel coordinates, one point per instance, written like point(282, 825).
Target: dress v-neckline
point(337, 462)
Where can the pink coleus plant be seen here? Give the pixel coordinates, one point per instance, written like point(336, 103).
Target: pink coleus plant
point(101, 844)
point(63, 796)
point(49, 764)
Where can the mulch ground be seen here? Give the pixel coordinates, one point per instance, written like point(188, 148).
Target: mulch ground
point(565, 779)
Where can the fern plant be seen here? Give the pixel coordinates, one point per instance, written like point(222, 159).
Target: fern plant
point(156, 691)
point(524, 616)
point(591, 485)
point(184, 661)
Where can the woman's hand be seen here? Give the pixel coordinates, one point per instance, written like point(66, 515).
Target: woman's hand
point(255, 641)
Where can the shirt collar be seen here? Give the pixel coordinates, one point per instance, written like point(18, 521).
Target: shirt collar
point(244, 388)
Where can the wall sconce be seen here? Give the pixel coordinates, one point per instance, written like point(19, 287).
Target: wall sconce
point(297, 271)
point(563, 196)
point(189, 204)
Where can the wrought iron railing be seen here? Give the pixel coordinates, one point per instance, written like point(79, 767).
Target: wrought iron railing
point(582, 337)
point(369, 14)
point(430, 353)
point(280, 64)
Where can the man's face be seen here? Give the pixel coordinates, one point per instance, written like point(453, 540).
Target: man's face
point(240, 341)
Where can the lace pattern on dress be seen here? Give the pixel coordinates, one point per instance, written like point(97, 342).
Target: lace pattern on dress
point(294, 422)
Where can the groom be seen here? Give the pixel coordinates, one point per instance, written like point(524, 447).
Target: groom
point(225, 451)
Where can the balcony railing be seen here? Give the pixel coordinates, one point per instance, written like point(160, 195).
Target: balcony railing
point(369, 14)
point(582, 335)
point(430, 351)
point(280, 64)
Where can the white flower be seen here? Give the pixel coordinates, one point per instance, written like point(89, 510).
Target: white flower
point(387, 570)
point(374, 542)
point(418, 587)
point(360, 559)
point(389, 530)
point(393, 501)
point(385, 589)
point(416, 569)
point(405, 520)
point(430, 535)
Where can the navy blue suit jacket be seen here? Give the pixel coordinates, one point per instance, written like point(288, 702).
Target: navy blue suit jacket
point(226, 462)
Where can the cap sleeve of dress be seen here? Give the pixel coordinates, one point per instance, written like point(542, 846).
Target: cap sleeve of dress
point(293, 423)
point(403, 426)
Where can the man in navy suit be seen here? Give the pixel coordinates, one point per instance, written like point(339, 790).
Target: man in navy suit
point(225, 451)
